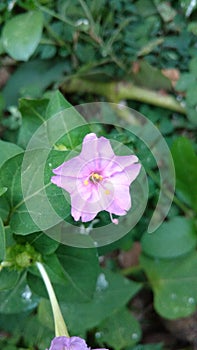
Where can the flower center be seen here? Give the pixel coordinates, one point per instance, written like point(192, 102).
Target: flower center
point(95, 178)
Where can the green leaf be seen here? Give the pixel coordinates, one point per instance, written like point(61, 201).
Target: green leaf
point(33, 115)
point(172, 239)
point(56, 104)
point(191, 115)
point(35, 334)
point(8, 150)
point(174, 284)
point(42, 243)
point(151, 77)
point(22, 34)
point(26, 81)
point(165, 10)
point(185, 161)
point(192, 27)
point(82, 267)
point(112, 292)
point(2, 241)
point(192, 66)
point(191, 98)
point(186, 79)
point(2, 190)
point(17, 299)
point(8, 278)
point(119, 330)
point(44, 314)
point(10, 177)
point(73, 273)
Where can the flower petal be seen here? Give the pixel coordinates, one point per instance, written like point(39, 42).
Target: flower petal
point(97, 151)
point(66, 182)
point(121, 202)
point(73, 343)
point(70, 168)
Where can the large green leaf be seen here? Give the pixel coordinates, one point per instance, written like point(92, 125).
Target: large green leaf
point(36, 171)
point(73, 274)
point(22, 34)
point(172, 239)
point(81, 268)
point(185, 161)
point(174, 284)
point(112, 293)
point(119, 330)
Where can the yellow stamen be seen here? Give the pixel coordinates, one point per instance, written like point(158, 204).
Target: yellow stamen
point(107, 192)
point(86, 182)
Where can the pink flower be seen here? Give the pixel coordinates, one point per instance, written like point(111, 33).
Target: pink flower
point(73, 343)
point(97, 179)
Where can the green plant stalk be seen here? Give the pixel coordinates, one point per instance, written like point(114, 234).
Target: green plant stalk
point(60, 326)
point(117, 91)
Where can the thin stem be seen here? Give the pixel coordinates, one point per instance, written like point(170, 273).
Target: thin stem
point(60, 327)
point(55, 15)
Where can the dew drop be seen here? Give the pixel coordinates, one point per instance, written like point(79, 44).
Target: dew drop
point(102, 283)
point(26, 293)
point(173, 296)
point(191, 300)
point(134, 336)
point(98, 335)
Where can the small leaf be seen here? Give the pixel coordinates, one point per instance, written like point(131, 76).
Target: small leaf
point(22, 34)
point(119, 330)
point(185, 161)
point(174, 284)
point(186, 79)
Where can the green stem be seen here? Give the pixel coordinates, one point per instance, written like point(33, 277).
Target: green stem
point(60, 327)
point(117, 91)
point(55, 15)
